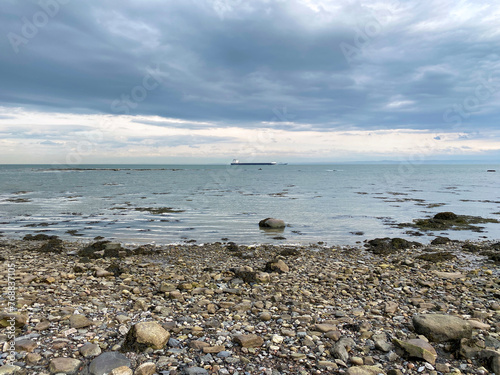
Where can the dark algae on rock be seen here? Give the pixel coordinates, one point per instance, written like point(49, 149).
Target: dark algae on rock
point(449, 221)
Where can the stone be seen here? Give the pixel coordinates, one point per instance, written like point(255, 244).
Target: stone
point(79, 321)
point(265, 316)
point(144, 335)
point(333, 335)
point(122, 370)
point(64, 366)
point(199, 345)
point(106, 362)
point(20, 320)
point(390, 307)
point(196, 371)
point(11, 370)
point(147, 368)
point(418, 348)
point(325, 327)
point(25, 345)
point(272, 223)
point(214, 349)
point(33, 358)
point(90, 350)
point(249, 341)
point(381, 342)
point(441, 327)
point(342, 347)
point(364, 370)
point(277, 266)
point(43, 325)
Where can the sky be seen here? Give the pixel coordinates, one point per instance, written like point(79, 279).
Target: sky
point(206, 81)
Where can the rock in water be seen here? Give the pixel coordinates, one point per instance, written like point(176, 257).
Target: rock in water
point(272, 223)
point(418, 348)
point(144, 335)
point(441, 327)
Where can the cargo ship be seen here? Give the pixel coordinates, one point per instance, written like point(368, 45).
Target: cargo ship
point(237, 162)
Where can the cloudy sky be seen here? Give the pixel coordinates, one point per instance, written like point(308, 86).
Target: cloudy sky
point(207, 81)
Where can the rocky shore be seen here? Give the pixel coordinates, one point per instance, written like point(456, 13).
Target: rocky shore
point(390, 307)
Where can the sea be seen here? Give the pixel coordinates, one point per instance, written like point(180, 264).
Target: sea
point(174, 204)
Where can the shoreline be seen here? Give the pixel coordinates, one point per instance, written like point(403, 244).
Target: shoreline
point(263, 309)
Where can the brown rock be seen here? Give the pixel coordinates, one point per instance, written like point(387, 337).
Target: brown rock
point(144, 335)
point(79, 321)
point(248, 341)
point(26, 345)
point(65, 366)
point(148, 368)
point(214, 349)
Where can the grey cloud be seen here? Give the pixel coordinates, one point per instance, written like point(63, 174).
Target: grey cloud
point(234, 66)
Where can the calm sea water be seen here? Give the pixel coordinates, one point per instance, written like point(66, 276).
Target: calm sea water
point(336, 204)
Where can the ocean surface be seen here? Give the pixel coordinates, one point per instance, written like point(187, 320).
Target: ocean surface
point(164, 204)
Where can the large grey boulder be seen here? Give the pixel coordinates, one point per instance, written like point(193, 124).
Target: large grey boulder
point(441, 327)
point(272, 223)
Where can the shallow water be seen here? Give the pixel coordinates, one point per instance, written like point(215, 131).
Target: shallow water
point(336, 204)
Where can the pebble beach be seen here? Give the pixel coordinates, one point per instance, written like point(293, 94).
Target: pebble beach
point(222, 308)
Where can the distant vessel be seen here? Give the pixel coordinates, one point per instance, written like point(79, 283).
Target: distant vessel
point(237, 162)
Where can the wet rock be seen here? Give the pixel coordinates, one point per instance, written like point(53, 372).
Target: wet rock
point(440, 241)
point(441, 328)
point(418, 348)
point(144, 335)
point(272, 223)
point(64, 366)
point(248, 341)
point(107, 362)
point(384, 246)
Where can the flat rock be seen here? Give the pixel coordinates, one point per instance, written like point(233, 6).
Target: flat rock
point(441, 327)
point(79, 321)
point(90, 350)
point(364, 370)
point(249, 341)
point(325, 327)
point(64, 366)
point(11, 370)
point(148, 368)
point(26, 345)
point(196, 371)
point(449, 275)
point(342, 347)
point(418, 348)
point(144, 335)
point(122, 370)
point(107, 362)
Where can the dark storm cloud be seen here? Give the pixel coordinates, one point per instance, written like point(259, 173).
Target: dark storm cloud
point(414, 65)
